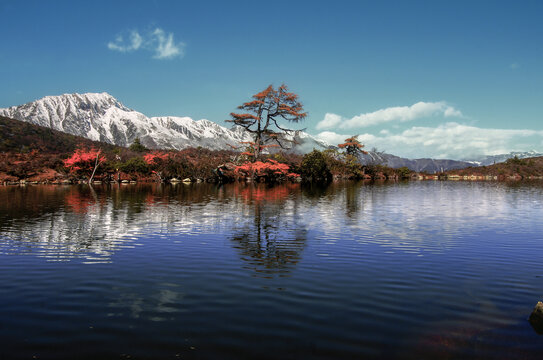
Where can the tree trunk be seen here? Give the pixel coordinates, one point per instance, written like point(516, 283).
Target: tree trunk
point(96, 163)
point(257, 148)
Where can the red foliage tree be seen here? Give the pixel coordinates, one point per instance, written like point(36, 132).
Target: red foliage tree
point(263, 114)
point(253, 148)
point(157, 160)
point(155, 157)
point(85, 161)
point(353, 146)
point(270, 170)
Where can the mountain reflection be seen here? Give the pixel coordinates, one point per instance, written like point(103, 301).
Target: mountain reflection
point(271, 239)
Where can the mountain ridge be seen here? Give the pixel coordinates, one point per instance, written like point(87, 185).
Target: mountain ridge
point(101, 117)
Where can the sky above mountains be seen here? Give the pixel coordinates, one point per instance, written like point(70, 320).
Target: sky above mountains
point(414, 78)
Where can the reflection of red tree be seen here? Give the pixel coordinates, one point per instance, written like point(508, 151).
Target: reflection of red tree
point(262, 193)
point(270, 242)
point(150, 199)
point(156, 195)
point(78, 202)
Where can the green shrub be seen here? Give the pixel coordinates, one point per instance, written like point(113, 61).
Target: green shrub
point(137, 146)
point(178, 167)
point(314, 167)
point(515, 161)
point(134, 165)
point(403, 172)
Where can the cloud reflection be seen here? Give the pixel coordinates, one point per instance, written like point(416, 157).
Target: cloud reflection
point(267, 226)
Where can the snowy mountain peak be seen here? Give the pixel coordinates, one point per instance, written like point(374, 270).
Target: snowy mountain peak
point(84, 101)
point(99, 116)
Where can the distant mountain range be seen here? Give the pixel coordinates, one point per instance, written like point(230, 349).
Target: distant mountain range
point(101, 117)
point(440, 165)
point(428, 165)
point(495, 159)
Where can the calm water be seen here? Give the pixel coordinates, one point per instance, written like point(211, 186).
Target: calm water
point(416, 270)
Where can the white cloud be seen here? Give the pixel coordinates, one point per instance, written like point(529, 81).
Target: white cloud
point(165, 46)
point(450, 140)
point(329, 121)
point(331, 137)
point(134, 42)
point(397, 113)
point(158, 41)
point(335, 138)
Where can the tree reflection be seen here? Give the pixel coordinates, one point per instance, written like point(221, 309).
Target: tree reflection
point(316, 191)
point(65, 222)
point(352, 200)
point(270, 239)
point(28, 202)
point(79, 200)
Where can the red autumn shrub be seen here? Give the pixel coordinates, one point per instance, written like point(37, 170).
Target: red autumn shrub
point(85, 161)
point(271, 170)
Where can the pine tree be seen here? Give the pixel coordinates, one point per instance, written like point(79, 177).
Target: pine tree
point(264, 115)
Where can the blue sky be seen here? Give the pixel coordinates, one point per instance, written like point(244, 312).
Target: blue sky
point(415, 78)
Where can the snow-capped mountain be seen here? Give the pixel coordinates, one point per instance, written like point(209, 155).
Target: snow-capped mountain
point(426, 164)
point(101, 117)
point(495, 159)
point(439, 165)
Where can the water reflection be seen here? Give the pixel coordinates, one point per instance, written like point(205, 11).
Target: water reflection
point(416, 217)
point(61, 223)
point(76, 222)
point(267, 225)
point(271, 239)
point(157, 305)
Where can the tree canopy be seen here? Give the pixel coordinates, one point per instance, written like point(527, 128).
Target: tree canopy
point(263, 117)
point(353, 146)
point(137, 146)
point(85, 161)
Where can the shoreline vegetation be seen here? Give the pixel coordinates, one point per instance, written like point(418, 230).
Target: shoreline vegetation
point(139, 165)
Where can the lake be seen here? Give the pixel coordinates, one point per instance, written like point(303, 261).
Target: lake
point(418, 270)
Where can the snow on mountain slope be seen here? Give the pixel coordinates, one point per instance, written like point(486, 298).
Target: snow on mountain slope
point(428, 165)
point(494, 159)
point(101, 117)
point(95, 116)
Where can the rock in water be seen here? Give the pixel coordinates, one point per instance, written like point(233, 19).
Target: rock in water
point(536, 318)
